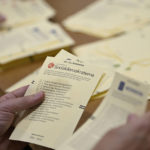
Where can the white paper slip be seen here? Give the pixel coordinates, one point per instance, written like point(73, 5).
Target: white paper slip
point(128, 54)
point(30, 40)
point(125, 96)
point(106, 18)
point(68, 88)
point(20, 12)
point(25, 81)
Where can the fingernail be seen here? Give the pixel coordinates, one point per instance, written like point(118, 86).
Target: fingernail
point(2, 18)
point(132, 117)
point(39, 94)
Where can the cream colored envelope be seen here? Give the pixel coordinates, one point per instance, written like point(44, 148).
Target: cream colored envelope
point(21, 12)
point(68, 88)
point(106, 18)
point(30, 40)
point(125, 96)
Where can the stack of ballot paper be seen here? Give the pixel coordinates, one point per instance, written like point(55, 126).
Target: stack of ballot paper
point(20, 12)
point(28, 79)
point(105, 18)
point(31, 42)
point(129, 54)
point(68, 83)
point(126, 96)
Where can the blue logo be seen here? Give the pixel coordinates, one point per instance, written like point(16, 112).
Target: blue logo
point(121, 86)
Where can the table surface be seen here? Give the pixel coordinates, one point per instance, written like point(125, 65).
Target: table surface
point(64, 9)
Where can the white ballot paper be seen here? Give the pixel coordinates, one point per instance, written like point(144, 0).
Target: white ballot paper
point(68, 87)
point(20, 12)
point(33, 39)
point(128, 54)
point(105, 18)
point(125, 96)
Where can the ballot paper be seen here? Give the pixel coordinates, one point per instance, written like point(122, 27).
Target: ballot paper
point(21, 12)
point(106, 18)
point(68, 87)
point(125, 96)
point(128, 54)
point(31, 40)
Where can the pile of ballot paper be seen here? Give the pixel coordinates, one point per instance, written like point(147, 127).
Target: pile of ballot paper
point(105, 18)
point(27, 35)
point(68, 83)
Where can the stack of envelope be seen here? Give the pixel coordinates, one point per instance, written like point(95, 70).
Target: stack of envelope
point(128, 54)
point(31, 42)
point(105, 18)
point(27, 35)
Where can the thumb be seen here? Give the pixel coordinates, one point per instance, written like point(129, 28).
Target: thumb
point(132, 118)
point(9, 108)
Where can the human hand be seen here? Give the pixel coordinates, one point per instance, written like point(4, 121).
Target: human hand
point(10, 104)
point(134, 135)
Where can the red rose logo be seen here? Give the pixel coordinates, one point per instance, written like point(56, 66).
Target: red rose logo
point(51, 65)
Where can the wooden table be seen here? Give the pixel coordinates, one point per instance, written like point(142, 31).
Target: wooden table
point(64, 8)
